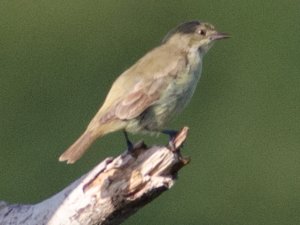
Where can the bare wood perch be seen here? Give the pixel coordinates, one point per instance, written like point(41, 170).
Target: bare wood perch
point(109, 193)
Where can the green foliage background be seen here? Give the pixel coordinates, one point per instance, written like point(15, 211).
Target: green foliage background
point(59, 58)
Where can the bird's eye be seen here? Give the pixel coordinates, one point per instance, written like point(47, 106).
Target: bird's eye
point(202, 32)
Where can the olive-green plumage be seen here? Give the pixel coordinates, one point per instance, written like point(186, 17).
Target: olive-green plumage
point(156, 88)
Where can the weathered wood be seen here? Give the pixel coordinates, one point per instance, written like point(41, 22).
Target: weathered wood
point(109, 193)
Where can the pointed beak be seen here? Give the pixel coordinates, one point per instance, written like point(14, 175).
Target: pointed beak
point(219, 36)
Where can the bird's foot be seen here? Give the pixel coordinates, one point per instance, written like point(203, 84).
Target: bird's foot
point(130, 146)
point(172, 135)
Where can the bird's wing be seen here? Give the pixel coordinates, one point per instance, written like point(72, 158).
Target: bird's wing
point(141, 86)
point(145, 93)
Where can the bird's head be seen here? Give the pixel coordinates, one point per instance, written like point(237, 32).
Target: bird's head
point(194, 35)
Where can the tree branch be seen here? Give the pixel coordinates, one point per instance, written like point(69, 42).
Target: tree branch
point(109, 193)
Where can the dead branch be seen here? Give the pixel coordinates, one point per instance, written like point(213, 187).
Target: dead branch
point(109, 193)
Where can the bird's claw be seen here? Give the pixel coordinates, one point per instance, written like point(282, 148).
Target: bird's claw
point(171, 145)
point(130, 147)
point(172, 136)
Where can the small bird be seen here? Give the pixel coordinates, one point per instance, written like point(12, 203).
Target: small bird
point(152, 91)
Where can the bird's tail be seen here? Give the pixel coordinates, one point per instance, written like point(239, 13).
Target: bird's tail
point(76, 150)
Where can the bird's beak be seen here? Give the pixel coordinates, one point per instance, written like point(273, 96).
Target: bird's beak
point(219, 36)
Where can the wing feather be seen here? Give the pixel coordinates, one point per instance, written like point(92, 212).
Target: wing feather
point(139, 100)
point(131, 94)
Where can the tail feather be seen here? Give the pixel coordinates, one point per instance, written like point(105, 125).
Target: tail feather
point(76, 150)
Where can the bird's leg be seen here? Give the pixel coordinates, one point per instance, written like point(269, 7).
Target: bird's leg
point(172, 135)
point(128, 142)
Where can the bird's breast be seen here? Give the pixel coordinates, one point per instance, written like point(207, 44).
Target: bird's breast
point(181, 89)
point(176, 96)
point(173, 98)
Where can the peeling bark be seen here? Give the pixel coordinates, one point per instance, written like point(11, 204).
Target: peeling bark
point(111, 192)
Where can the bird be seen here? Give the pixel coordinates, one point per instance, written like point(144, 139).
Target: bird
point(146, 96)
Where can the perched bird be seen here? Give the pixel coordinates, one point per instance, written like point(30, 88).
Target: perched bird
point(157, 87)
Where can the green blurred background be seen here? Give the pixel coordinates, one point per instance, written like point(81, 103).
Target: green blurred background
point(59, 58)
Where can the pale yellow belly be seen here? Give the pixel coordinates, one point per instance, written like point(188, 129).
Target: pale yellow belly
point(173, 100)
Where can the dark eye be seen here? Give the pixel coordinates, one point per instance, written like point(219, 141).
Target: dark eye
point(202, 32)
